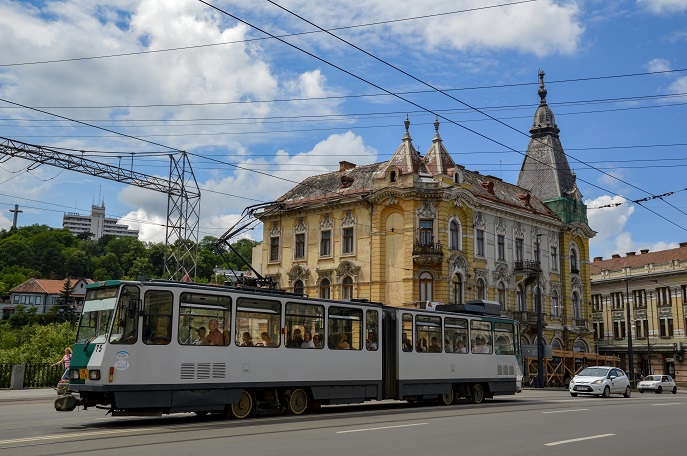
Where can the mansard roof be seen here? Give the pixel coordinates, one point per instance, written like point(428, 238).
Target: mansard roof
point(634, 260)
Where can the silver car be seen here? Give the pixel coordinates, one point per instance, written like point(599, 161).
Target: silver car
point(600, 381)
point(657, 384)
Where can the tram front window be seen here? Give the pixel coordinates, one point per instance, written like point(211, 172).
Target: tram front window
point(97, 314)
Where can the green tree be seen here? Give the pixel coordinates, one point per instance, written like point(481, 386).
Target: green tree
point(77, 262)
point(107, 267)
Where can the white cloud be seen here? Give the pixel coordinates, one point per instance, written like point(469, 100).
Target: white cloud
point(679, 85)
point(664, 6)
point(609, 223)
point(658, 64)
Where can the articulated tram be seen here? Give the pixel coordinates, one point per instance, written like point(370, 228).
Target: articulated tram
point(158, 347)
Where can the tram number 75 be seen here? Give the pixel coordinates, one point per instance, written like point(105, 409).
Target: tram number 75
point(98, 348)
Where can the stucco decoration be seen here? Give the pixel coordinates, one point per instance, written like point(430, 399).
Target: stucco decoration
point(501, 274)
point(576, 285)
point(457, 263)
point(500, 225)
point(428, 210)
point(298, 272)
point(518, 231)
point(347, 269)
point(556, 286)
point(553, 239)
point(392, 201)
point(326, 223)
point(482, 274)
point(479, 221)
point(324, 274)
point(275, 229)
point(300, 227)
point(348, 219)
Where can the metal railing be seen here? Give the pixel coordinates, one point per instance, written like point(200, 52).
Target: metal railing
point(36, 375)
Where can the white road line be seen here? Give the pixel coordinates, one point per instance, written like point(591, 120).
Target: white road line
point(668, 403)
point(566, 411)
point(45, 438)
point(577, 400)
point(561, 442)
point(378, 428)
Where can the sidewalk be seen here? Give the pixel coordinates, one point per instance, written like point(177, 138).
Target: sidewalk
point(28, 394)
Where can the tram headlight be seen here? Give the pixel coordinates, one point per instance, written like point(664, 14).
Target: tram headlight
point(94, 374)
point(74, 374)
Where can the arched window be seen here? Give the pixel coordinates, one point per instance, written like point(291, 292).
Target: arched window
point(579, 346)
point(426, 285)
point(520, 299)
point(325, 289)
point(347, 288)
point(574, 266)
point(298, 287)
point(555, 304)
point(481, 289)
point(457, 289)
point(454, 229)
point(501, 295)
point(556, 344)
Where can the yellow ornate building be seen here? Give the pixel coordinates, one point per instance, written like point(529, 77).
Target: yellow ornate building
point(416, 228)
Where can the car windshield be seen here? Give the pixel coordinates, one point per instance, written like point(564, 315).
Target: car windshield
point(593, 372)
point(653, 378)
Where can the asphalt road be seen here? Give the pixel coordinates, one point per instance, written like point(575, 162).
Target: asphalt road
point(532, 423)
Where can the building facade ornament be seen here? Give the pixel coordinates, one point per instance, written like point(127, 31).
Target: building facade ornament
point(296, 273)
point(500, 225)
point(348, 219)
point(326, 223)
point(301, 226)
point(347, 269)
point(428, 210)
point(518, 231)
point(275, 229)
point(479, 221)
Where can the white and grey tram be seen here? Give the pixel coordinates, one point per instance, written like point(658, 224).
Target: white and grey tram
point(158, 347)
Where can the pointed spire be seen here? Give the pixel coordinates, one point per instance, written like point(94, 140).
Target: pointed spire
point(436, 129)
point(407, 124)
point(542, 90)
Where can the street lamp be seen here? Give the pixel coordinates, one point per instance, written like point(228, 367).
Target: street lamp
point(540, 342)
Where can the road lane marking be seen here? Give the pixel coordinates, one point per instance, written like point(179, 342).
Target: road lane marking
point(566, 411)
point(45, 438)
point(561, 442)
point(668, 403)
point(382, 427)
point(577, 400)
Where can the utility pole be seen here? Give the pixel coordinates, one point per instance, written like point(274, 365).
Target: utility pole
point(540, 342)
point(629, 333)
point(16, 211)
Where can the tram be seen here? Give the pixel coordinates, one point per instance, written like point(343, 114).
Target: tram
point(158, 347)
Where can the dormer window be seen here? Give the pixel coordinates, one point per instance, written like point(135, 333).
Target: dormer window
point(392, 176)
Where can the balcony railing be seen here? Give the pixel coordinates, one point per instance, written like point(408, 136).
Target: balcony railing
point(426, 254)
point(527, 266)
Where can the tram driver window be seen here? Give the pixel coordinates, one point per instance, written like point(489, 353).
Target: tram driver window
point(125, 330)
point(304, 325)
point(197, 312)
point(157, 319)
point(345, 328)
point(258, 323)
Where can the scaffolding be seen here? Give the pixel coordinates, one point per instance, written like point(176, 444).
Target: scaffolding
point(564, 365)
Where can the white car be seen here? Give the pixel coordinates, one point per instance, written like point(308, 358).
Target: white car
point(657, 384)
point(600, 381)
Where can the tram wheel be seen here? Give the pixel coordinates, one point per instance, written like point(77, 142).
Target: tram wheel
point(244, 407)
point(477, 393)
point(298, 401)
point(447, 398)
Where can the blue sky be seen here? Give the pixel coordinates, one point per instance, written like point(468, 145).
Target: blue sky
point(257, 115)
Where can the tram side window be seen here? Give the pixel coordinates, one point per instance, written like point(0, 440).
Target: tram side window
point(304, 325)
point(456, 335)
point(407, 332)
point(125, 330)
point(203, 319)
point(371, 326)
point(258, 323)
point(157, 317)
point(345, 328)
point(504, 335)
point(428, 333)
point(481, 336)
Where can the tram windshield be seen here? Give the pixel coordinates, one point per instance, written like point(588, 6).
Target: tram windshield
point(97, 314)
